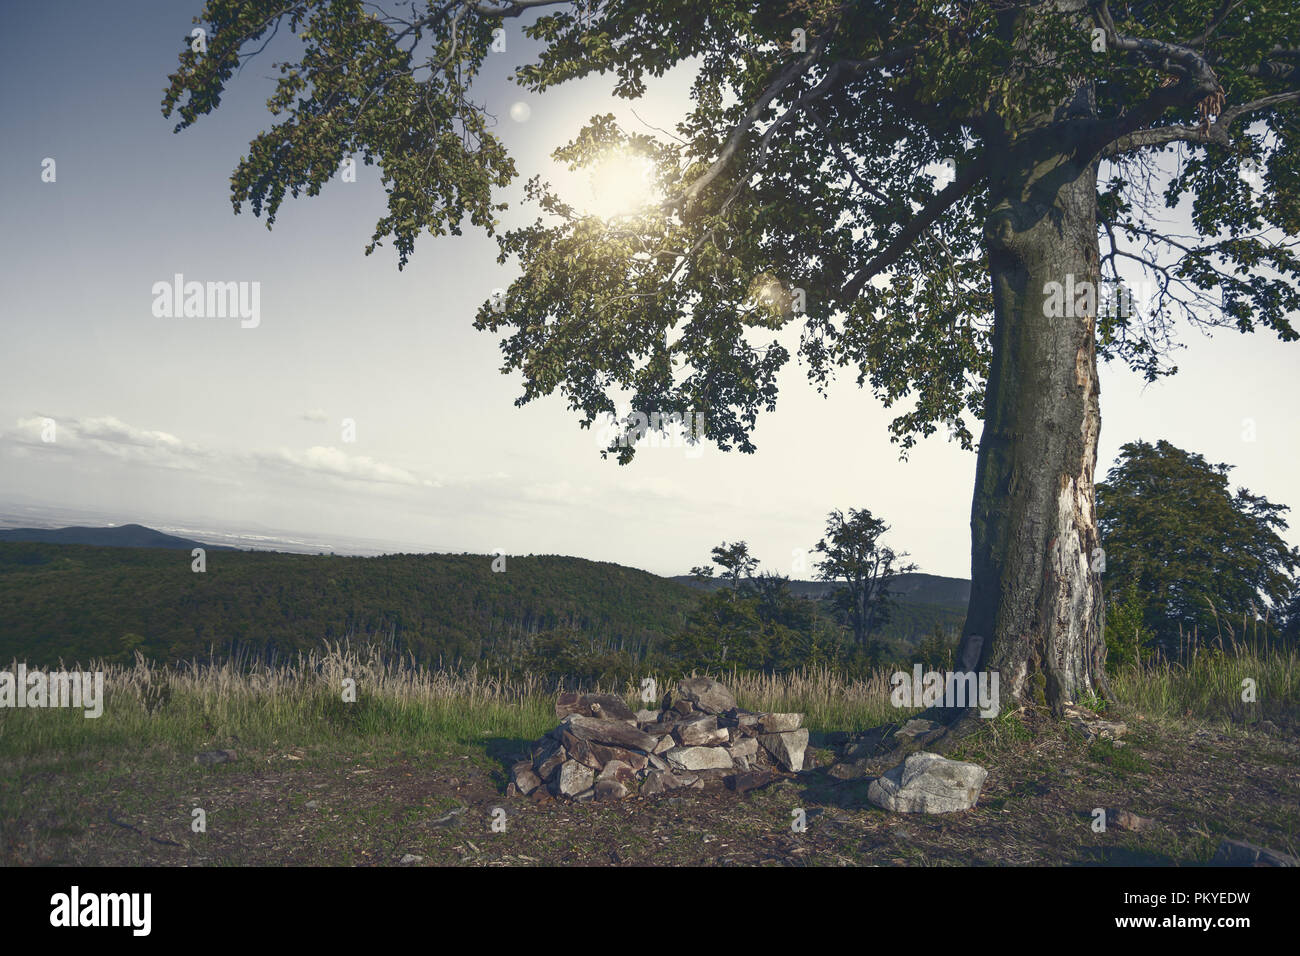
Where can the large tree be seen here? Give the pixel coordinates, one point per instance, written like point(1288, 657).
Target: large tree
point(1200, 556)
point(924, 191)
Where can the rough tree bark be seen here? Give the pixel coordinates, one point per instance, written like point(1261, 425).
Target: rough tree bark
point(1036, 603)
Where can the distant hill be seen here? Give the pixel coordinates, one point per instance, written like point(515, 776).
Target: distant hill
point(120, 536)
point(79, 602)
point(910, 588)
point(82, 593)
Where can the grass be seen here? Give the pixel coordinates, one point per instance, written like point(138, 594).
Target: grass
point(383, 772)
point(222, 704)
point(1211, 685)
point(301, 703)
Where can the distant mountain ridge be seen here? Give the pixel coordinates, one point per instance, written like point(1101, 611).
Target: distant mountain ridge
point(80, 593)
point(118, 536)
point(78, 602)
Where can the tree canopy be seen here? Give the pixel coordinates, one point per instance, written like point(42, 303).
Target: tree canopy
point(834, 171)
point(1194, 550)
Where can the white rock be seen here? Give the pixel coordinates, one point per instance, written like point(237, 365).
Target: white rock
point(928, 783)
point(701, 732)
point(779, 723)
point(706, 694)
point(573, 778)
point(699, 758)
point(786, 749)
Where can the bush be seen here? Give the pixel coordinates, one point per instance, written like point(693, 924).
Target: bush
point(1128, 639)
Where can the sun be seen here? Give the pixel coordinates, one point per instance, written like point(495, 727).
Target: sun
point(620, 184)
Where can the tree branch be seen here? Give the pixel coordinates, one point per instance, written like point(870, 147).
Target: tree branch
point(926, 217)
point(1215, 133)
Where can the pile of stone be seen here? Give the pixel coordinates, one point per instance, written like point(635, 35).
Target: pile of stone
point(698, 738)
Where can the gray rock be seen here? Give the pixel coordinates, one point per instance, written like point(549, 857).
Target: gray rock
point(779, 723)
point(658, 762)
point(581, 750)
point(567, 703)
point(614, 732)
point(633, 758)
point(786, 749)
point(928, 783)
point(699, 758)
point(572, 779)
point(654, 783)
point(665, 744)
point(524, 778)
point(713, 779)
point(600, 706)
point(663, 727)
point(312, 804)
point(917, 727)
point(850, 771)
point(548, 757)
point(411, 858)
point(210, 757)
point(706, 694)
point(450, 819)
point(615, 770)
point(608, 707)
point(701, 732)
point(1241, 853)
point(744, 782)
point(745, 747)
point(610, 790)
point(647, 716)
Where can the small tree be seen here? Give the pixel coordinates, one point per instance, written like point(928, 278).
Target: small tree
point(1128, 638)
point(736, 562)
point(936, 650)
point(855, 557)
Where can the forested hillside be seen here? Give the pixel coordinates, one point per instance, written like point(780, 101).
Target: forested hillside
point(76, 602)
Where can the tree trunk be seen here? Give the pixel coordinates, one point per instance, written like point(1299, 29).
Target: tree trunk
point(1035, 606)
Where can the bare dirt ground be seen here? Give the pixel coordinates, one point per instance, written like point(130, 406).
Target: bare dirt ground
point(376, 807)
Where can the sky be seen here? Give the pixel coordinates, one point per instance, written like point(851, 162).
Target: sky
point(205, 425)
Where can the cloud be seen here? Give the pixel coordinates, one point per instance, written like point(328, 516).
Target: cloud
point(322, 460)
point(316, 416)
point(112, 437)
